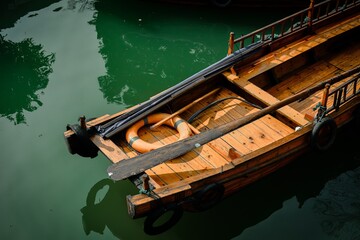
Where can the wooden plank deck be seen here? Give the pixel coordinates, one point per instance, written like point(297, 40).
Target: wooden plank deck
point(337, 62)
point(217, 153)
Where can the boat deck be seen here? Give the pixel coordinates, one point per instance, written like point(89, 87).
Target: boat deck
point(263, 131)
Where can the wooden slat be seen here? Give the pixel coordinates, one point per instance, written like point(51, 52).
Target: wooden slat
point(109, 149)
point(192, 158)
point(207, 120)
point(268, 99)
point(183, 109)
point(267, 130)
point(251, 134)
point(258, 137)
point(177, 166)
point(257, 133)
point(303, 79)
point(266, 122)
point(345, 60)
point(217, 117)
point(161, 174)
point(281, 128)
point(154, 179)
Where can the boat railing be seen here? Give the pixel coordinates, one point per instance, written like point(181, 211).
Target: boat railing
point(339, 95)
point(299, 21)
point(343, 93)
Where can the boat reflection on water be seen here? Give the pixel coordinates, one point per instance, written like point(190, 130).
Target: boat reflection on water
point(338, 205)
point(328, 178)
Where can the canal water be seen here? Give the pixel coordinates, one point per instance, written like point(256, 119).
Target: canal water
point(63, 59)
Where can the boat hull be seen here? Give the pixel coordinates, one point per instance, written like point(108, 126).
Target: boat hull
point(248, 170)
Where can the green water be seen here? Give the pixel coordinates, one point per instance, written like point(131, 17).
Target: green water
point(62, 59)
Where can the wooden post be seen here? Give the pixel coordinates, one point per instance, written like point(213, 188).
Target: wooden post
point(82, 122)
point(310, 14)
point(231, 49)
point(145, 182)
point(231, 44)
point(325, 95)
point(322, 108)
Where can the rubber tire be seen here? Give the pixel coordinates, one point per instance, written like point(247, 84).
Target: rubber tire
point(327, 124)
point(208, 196)
point(150, 220)
point(221, 3)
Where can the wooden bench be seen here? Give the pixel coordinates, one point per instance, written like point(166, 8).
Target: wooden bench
point(266, 98)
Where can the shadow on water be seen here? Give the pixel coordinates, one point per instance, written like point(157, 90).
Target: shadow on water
point(106, 208)
point(25, 70)
point(98, 215)
point(331, 179)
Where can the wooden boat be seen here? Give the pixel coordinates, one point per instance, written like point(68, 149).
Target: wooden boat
point(285, 91)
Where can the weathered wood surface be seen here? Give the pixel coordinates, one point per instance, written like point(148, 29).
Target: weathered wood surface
point(133, 166)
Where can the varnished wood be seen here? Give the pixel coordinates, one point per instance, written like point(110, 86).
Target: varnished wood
point(268, 99)
point(109, 149)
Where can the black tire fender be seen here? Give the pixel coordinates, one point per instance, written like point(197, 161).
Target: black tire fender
point(323, 134)
point(150, 221)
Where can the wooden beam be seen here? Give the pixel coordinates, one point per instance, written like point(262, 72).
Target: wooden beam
point(267, 98)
